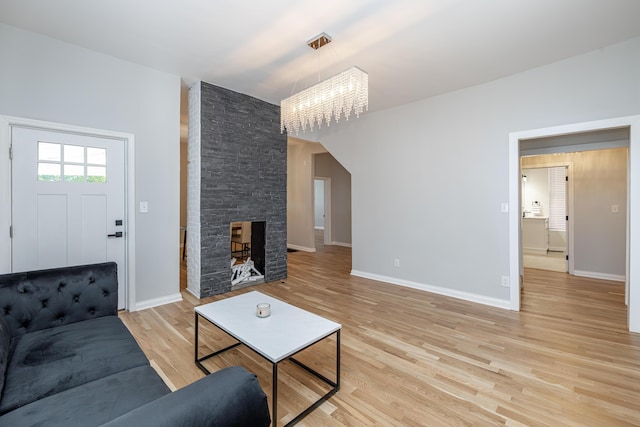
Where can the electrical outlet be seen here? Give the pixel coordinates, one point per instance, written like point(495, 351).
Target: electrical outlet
point(396, 262)
point(505, 281)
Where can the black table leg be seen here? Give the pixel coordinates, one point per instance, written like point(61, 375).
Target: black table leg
point(274, 397)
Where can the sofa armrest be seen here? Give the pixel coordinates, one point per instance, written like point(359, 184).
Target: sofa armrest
point(41, 299)
point(230, 397)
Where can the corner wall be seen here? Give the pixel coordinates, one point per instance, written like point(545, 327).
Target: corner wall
point(243, 177)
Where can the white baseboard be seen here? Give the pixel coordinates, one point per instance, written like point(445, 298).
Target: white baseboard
point(466, 296)
point(346, 245)
point(300, 248)
point(193, 293)
point(602, 276)
point(154, 302)
point(557, 248)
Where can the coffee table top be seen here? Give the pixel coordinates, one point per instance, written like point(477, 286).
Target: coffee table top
point(288, 330)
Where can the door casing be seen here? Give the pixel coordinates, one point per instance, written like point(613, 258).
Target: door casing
point(633, 205)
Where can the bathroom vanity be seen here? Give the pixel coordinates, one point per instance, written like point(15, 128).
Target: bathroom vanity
point(535, 235)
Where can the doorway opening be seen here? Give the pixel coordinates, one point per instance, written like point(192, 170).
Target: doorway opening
point(518, 140)
point(545, 219)
point(332, 202)
point(322, 211)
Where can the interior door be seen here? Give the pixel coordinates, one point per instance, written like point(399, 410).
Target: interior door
point(68, 201)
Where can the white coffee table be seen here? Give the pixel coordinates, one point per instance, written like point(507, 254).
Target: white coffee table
point(287, 331)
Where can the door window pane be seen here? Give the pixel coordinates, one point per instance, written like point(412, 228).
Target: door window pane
point(73, 154)
point(48, 152)
point(72, 161)
point(73, 173)
point(96, 156)
point(48, 172)
point(96, 174)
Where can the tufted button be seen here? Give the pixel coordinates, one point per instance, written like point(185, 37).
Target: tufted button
point(60, 317)
point(76, 298)
point(61, 285)
point(25, 323)
point(7, 309)
point(105, 293)
point(92, 310)
point(44, 303)
point(92, 279)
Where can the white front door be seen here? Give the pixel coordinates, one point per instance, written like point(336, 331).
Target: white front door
point(68, 201)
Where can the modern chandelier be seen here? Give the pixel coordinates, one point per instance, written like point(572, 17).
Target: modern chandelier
point(343, 93)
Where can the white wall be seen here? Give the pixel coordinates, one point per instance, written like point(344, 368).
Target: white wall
point(45, 79)
point(421, 192)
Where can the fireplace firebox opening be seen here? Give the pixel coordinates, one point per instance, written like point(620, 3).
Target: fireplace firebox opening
point(247, 253)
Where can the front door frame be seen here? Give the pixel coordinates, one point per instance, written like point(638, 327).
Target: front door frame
point(633, 205)
point(6, 123)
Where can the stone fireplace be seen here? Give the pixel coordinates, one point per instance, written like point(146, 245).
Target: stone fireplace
point(237, 173)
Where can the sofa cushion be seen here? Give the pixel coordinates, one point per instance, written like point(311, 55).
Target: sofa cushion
point(42, 299)
point(53, 360)
point(94, 403)
point(5, 343)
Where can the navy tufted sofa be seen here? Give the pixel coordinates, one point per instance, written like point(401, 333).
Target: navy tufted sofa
point(66, 359)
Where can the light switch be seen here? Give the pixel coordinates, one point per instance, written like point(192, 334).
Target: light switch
point(615, 208)
point(144, 207)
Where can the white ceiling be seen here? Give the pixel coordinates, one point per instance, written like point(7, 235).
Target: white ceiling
point(412, 49)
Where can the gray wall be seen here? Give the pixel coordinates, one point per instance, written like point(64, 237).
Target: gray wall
point(46, 79)
point(327, 166)
point(243, 177)
point(428, 178)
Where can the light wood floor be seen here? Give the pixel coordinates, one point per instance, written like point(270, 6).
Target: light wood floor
point(553, 261)
point(414, 358)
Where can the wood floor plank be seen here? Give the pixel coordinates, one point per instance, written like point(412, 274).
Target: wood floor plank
point(415, 358)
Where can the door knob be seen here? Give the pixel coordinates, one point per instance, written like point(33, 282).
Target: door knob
point(116, 234)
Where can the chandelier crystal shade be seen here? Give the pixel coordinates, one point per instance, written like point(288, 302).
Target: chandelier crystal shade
point(342, 94)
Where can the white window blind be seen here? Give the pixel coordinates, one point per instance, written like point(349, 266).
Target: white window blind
point(557, 199)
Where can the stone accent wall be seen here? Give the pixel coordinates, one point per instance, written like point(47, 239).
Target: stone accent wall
point(243, 177)
point(193, 192)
